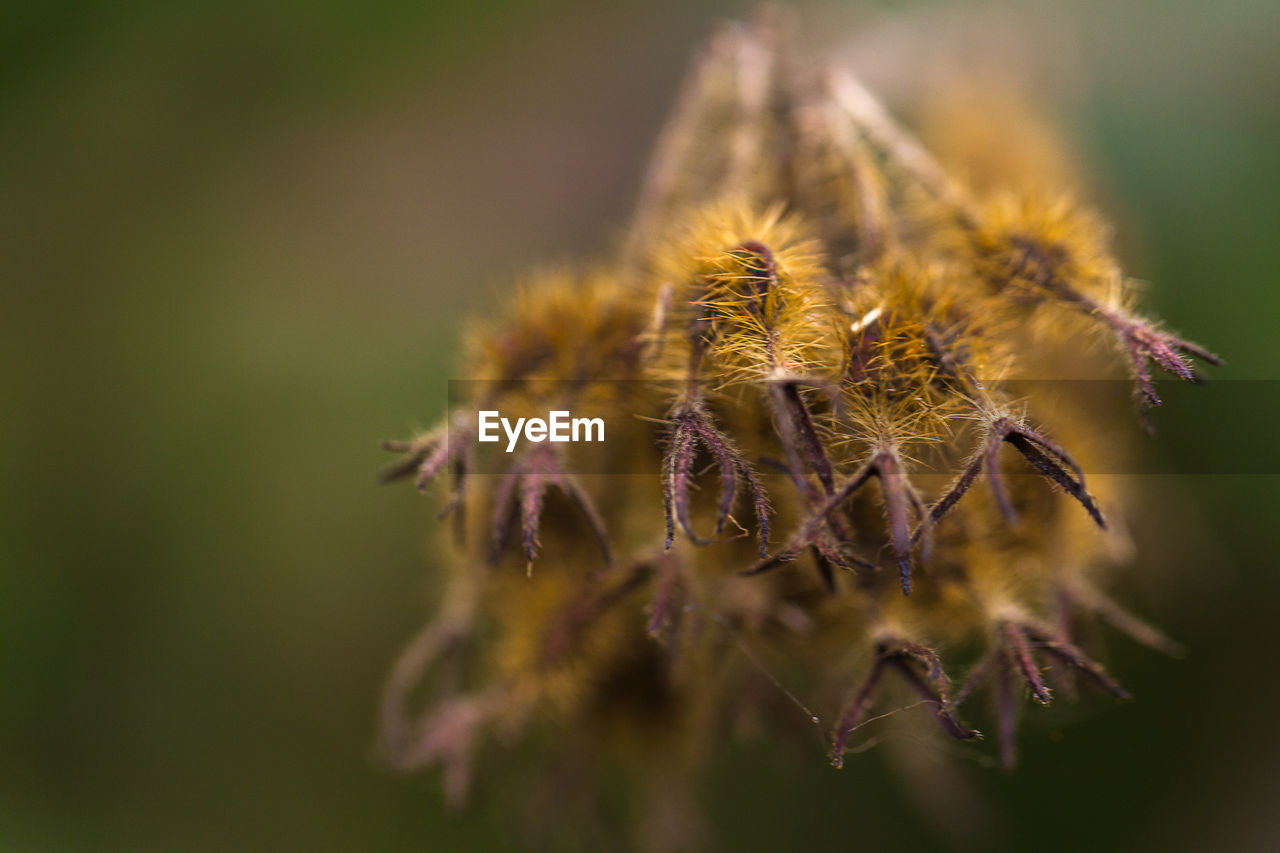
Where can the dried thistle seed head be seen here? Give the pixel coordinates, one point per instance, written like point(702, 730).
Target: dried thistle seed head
point(1040, 248)
point(748, 287)
point(561, 325)
point(723, 137)
point(921, 338)
point(1056, 255)
point(562, 636)
point(827, 493)
point(840, 186)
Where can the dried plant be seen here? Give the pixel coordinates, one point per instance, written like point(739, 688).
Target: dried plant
point(811, 330)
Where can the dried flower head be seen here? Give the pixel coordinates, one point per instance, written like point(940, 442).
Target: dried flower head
point(807, 342)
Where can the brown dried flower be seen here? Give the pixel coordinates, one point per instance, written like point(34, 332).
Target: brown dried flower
point(810, 329)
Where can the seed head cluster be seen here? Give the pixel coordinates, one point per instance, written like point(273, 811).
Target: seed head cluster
point(840, 492)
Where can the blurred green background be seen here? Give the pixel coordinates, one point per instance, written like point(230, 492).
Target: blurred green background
point(236, 243)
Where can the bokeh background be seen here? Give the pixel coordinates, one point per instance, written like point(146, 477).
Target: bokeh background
point(237, 241)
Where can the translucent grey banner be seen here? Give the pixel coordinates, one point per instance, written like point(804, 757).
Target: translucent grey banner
point(1223, 427)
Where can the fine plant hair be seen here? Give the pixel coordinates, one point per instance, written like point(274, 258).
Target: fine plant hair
point(845, 484)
